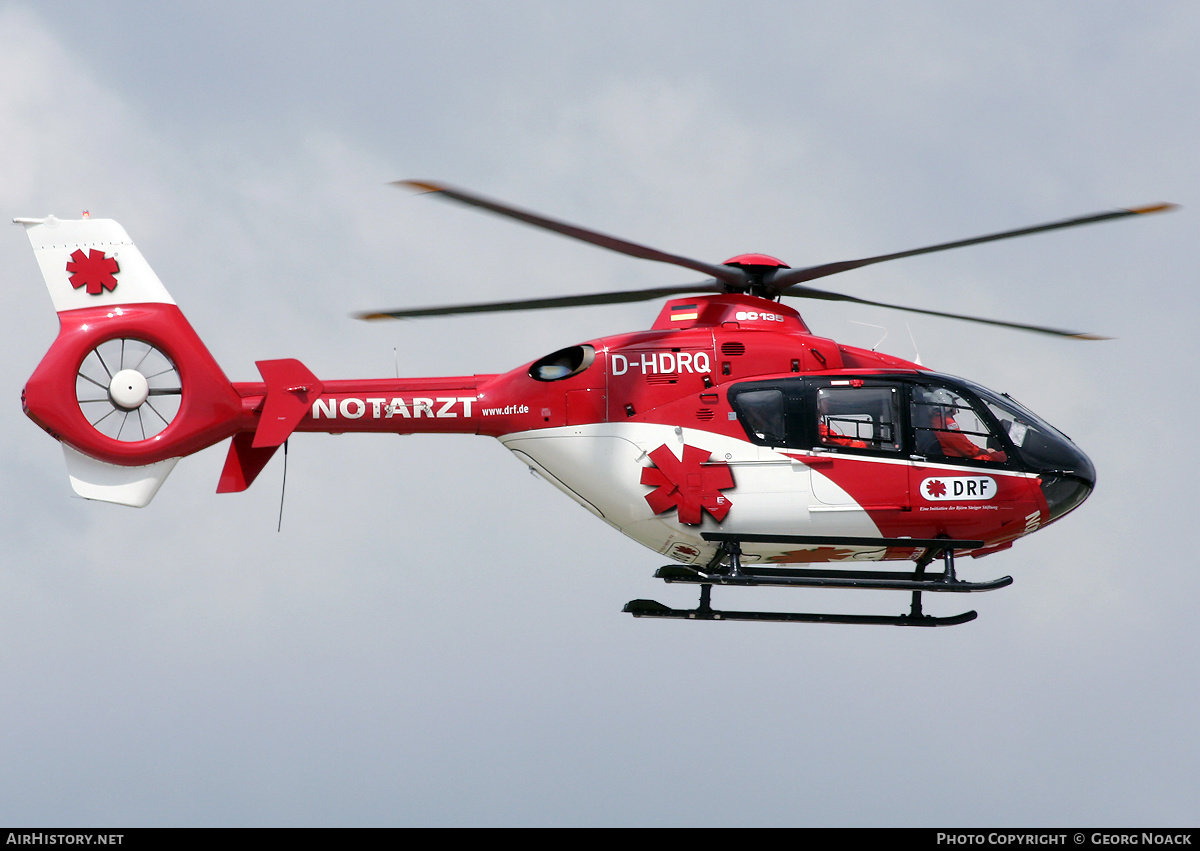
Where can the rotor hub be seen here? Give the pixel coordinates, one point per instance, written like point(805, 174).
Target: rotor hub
point(128, 389)
point(752, 261)
point(758, 269)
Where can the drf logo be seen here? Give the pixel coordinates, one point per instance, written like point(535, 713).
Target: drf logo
point(958, 488)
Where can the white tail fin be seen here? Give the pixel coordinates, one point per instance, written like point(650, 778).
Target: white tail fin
point(133, 486)
point(96, 250)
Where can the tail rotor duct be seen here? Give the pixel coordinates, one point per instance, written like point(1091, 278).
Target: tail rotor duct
point(128, 389)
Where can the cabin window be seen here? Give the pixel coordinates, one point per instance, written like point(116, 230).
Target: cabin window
point(562, 364)
point(762, 415)
point(858, 417)
point(850, 415)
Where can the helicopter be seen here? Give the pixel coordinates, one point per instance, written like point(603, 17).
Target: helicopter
point(728, 437)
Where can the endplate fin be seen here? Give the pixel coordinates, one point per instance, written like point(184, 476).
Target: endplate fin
point(243, 463)
point(291, 390)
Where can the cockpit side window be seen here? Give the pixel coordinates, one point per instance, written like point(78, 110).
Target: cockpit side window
point(946, 425)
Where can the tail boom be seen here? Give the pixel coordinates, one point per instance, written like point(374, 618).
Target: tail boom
point(125, 355)
point(292, 399)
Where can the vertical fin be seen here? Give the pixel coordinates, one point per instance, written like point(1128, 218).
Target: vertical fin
point(133, 486)
point(243, 463)
point(92, 263)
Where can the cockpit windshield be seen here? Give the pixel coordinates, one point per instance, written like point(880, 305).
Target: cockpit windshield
point(1040, 444)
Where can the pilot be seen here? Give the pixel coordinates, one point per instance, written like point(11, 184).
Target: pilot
point(828, 435)
point(941, 406)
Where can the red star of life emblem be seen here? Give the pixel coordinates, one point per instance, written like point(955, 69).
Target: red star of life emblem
point(688, 484)
point(93, 270)
point(935, 488)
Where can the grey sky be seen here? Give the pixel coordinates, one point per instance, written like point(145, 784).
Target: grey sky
point(436, 636)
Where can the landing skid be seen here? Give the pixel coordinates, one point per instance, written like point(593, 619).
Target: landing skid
point(726, 569)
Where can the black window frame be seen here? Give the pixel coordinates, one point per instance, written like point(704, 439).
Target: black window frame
point(800, 399)
point(800, 395)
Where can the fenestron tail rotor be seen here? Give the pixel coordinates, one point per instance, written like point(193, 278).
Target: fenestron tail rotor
point(128, 390)
point(770, 280)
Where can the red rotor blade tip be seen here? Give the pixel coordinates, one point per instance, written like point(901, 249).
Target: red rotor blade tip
point(1154, 208)
point(420, 185)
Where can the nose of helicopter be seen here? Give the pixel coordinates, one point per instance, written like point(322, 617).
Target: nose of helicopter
point(1068, 476)
point(1065, 492)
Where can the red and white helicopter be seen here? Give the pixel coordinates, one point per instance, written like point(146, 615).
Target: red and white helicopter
point(728, 437)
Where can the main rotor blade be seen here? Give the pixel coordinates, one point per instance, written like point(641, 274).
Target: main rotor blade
point(796, 276)
point(727, 274)
point(801, 291)
point(545, 303)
